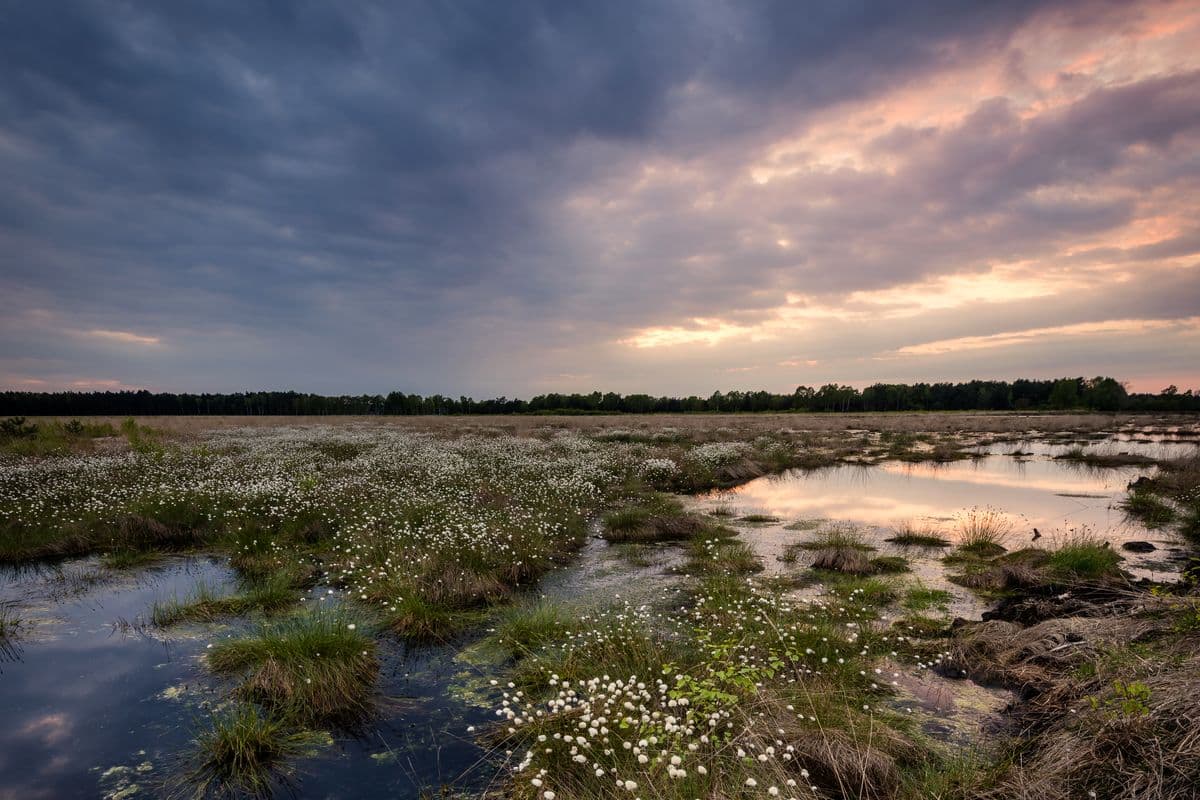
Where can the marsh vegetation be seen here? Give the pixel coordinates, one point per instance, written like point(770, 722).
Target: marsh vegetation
point(636, 611)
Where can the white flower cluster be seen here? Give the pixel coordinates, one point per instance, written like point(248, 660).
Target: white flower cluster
point(717, 454)
point(639, 733)
point(395, 501)
point(653, 469)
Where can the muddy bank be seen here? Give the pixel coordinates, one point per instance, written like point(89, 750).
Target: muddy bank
point(1106, 681)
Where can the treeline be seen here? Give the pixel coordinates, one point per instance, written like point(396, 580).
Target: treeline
point(1096, 394)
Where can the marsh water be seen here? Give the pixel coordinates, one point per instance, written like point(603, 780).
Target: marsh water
point(1027, 484)
point(92, 709)
point(99, 704)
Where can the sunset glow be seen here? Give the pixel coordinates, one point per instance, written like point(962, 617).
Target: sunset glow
point(726, 196)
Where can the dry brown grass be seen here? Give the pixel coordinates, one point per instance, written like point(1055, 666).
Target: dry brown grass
point(689, 424)
point(1000, 652)
point(1110, 703)
point(859, 758)
point(847, 560)
point(1142, 735)
point(913, 534)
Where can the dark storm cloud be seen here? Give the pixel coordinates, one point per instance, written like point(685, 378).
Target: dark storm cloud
point(292, 182)
point(994, 187)
point(328, 115)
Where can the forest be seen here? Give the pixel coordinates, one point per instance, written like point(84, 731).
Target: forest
point(1093, 394)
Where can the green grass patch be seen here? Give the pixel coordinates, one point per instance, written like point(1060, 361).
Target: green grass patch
point(1083, 557)
point(527, 628)
point(245, 753)
point(267, 595)
point(922, 598)
point(871, 592)
point(889, 565)
point(761, 519)
point(722, 555)
point(612, 645)
point(314, 668)
point(654, 518)
point(422, 621)
point(1149, 509)
point(959, 775)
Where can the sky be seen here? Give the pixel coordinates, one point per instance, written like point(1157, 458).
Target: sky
point(512, 198)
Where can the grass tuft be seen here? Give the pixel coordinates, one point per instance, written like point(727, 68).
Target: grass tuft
point(269, 595)
point(837, 537)
point(655, 518)
point(618, 646)
point(908, 534)
point(525, 629)
point(310, 669)
point(763, 519)
point(1084, 557)
point(983, 531)
point(421, 621)
point(1150, 510)
point(921, 598)
point(245, 754)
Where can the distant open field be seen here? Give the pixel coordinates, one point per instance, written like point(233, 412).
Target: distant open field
point(525, 425)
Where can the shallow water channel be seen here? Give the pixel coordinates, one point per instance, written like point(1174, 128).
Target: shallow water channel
point(1031, 490)
point(99, 704)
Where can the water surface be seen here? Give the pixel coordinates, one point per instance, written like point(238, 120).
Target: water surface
point(1031, 491)
point(99, 704)
point(93, 708)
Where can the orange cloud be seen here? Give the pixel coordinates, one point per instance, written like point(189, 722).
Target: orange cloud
point(125, 337)
point(1013, 338)
point(706, 332)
